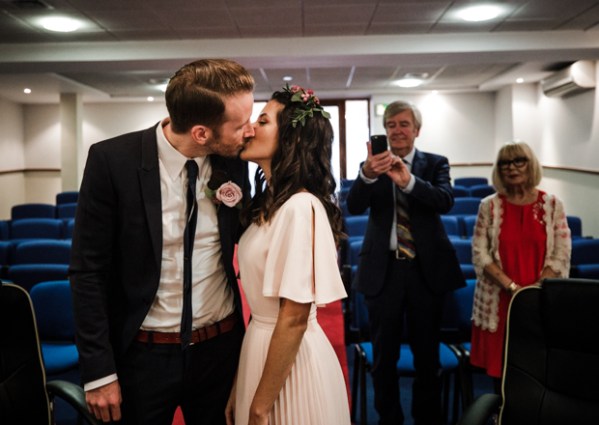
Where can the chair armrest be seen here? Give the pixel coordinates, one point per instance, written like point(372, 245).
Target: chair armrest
point(73, 394)
point(479, 412)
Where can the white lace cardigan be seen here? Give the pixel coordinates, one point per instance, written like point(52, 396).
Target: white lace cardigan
point(485, 250)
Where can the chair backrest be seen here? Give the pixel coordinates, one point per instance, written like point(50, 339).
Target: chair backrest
point(23, 397)
point(43, 252)
point(463, 248)
point(470, 181)
point(456, 323)
point(451, 225)
point(28, 275)
point(467, 205)
point(481, 190)
point(355, 225)
point(4, 229)
point(469, 221)
point(585, 251)
point(69, 225)
point(54, 310)
point(66, 210)
point(36, 228)
point(460, 191)
point(575, 225)
point(552, 354)
point(32, 210)
point(67, 197)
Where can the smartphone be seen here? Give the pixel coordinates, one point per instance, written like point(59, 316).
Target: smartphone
point(378, 143)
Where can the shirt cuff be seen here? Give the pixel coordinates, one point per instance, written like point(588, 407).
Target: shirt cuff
point(100, 382)
point(365, 179)
point(410, 185)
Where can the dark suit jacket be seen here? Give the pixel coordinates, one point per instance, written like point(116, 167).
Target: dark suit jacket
point(432, 195)
point(117, 245)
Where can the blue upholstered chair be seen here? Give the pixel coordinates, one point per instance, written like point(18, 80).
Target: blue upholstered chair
point(585, 258)
point(69, 225)
point(468, 223)
point(66, 210)
point(458, 320)
point(27, 275)
point(469, 181)
point(465, 206)
point(481, 190)
point(4, 230)
point(36, 228)
point(460, 191)
point(42, 252)
point(67, 197)
point(56, 327)
point(355, 226)
point(463, 248)
point(32, 210)
point(5, 254)
point(575, 225)
point(452, 226)
point(363, 358)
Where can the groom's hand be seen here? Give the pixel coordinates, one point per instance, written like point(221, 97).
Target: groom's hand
point(105, 402)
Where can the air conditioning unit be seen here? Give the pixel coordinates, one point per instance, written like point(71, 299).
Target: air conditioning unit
point(577, 78)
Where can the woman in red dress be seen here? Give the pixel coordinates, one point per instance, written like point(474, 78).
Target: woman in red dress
point(521, 237)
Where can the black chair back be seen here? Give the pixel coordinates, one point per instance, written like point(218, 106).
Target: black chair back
point(23, 397)
point(552, 359)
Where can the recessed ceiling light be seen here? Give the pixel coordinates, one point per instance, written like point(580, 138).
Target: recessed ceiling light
point(162, 87)
point(481, 12)
point(27, 91)
point(409, 82)
point(150, 99)
point(287, 78)
point(60, 24)
point(519, 80)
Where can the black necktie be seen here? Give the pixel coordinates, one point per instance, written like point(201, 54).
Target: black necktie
point(188, 238)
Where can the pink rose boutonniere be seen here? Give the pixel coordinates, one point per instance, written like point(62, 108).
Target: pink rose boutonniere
point(225, 192)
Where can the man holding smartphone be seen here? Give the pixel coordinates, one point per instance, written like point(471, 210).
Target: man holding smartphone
point(407, 263)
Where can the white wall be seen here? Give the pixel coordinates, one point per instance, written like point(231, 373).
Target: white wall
point(12, 157)
point(458, 126)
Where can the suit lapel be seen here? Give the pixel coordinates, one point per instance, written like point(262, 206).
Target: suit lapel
point(149, 180)
point(419, 164)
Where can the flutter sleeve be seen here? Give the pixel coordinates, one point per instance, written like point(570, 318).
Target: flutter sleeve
point(301, 263)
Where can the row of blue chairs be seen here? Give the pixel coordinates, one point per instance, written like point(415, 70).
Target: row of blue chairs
point(476, 191)
point(34, 261)
point(36, 228)
point(37, 210)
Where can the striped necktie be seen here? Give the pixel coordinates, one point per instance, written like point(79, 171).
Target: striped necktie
point(405, 241)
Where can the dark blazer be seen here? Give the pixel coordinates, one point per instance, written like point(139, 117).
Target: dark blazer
point(432, 195)
point(117, 245)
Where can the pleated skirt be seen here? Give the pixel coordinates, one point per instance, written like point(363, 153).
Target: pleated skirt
point(314, 393)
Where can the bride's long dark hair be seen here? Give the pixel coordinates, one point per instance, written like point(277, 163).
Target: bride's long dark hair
point(302, 161)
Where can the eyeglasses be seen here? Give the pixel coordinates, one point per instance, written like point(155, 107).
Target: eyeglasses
point(519, 162)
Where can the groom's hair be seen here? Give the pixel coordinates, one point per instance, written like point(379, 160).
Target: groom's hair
point(196, 93)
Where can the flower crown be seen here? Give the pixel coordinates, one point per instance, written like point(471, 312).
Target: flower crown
point(308, 104)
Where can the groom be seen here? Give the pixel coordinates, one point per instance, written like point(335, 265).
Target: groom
point(127, 260)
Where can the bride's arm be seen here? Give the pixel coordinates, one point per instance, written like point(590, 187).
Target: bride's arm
point(292, 322)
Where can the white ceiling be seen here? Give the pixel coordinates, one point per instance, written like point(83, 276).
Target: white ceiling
point(340, 48)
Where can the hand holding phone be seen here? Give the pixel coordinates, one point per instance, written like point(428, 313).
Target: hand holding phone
point(378, 143)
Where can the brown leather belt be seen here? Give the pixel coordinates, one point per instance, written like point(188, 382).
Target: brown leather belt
point(197, 335)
